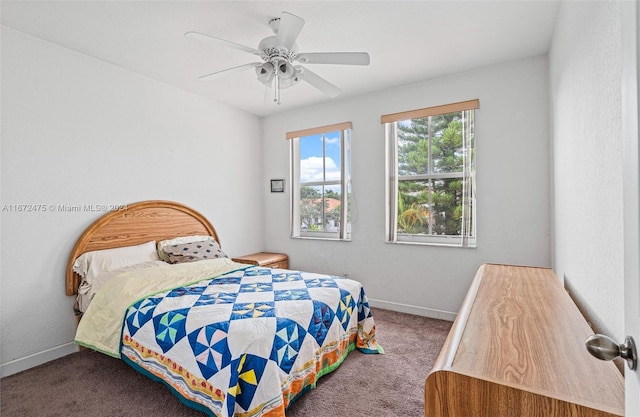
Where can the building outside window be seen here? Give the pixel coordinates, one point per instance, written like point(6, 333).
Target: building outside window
point(430, 192)
point(321, 178)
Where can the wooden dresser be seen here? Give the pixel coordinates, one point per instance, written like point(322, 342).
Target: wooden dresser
point(517, 349)
point(268, 259)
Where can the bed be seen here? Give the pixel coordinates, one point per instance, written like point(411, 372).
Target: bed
point(155, 289)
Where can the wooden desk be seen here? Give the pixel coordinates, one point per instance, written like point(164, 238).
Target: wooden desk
point(268, 259)
point(517, 349)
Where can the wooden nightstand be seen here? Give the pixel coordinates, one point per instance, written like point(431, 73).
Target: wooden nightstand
point(267, 259)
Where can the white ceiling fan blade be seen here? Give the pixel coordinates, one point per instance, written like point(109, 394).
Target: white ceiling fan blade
point(213, 39)
point(240, 68)
point(288, 30)
point(320, 83)
point(344, 58)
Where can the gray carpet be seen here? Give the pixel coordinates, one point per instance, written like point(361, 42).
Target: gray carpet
point(90, 384)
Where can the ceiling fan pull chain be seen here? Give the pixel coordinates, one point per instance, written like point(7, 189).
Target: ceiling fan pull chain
point(276, 84)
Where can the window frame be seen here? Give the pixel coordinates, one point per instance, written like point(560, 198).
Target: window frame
point(465, 240)
point(343, 233)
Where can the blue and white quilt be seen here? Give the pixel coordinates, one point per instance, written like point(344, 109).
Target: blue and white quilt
point(250, 341)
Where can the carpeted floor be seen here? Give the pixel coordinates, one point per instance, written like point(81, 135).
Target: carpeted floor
point(90, 384)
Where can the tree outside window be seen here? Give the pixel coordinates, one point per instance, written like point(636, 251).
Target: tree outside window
point(431, 172)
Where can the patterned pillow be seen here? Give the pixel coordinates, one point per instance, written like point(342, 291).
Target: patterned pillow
point(179, 241)
point(194, 251)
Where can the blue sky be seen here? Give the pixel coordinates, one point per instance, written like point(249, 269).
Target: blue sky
point(311, 157)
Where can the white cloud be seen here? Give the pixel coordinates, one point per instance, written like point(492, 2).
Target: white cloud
point(332, 141)
point(311, 169)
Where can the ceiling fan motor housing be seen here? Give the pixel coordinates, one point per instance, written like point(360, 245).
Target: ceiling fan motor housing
point(270, 48)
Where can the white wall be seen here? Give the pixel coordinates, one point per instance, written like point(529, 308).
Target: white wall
point(512, 187)
point(587, 160)
point(76, 130)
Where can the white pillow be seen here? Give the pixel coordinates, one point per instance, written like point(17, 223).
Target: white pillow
point(87, 290)
point(91, 264)
point(180, 241)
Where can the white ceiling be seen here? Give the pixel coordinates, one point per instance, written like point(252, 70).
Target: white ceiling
point(408, 41)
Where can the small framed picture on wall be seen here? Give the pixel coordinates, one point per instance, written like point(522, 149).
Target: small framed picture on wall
point(277, 186)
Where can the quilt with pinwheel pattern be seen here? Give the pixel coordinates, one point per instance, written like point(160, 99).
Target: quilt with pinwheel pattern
point(247, 342)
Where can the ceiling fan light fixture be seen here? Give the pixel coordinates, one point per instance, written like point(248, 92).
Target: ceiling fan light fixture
point(265, 73)
point(292, 80)
point(285, 70)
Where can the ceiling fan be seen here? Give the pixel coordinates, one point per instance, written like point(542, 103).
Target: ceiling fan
point(279, 53)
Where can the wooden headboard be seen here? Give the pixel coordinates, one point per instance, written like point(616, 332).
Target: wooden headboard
point(137, 223)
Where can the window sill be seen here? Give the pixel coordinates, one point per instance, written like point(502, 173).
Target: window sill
point(320, 238)
point(444, 245)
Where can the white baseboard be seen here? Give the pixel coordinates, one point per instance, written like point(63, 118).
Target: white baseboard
point(409, 309)
point(22, 364)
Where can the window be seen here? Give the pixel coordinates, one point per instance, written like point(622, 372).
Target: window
point(321, 178)
point(431, 175)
